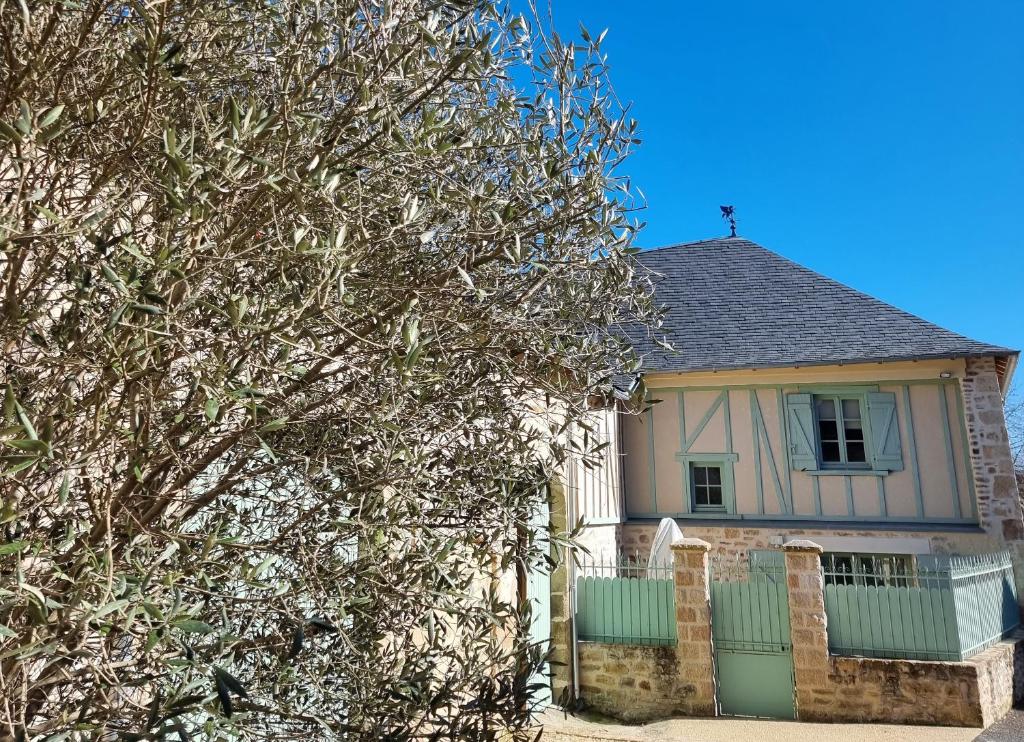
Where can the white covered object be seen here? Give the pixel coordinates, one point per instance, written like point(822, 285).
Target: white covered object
point(661, 547)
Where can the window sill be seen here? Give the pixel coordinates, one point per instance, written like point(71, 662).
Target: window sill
point(847, 472)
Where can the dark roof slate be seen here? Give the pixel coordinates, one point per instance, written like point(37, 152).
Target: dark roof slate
point(731, 304)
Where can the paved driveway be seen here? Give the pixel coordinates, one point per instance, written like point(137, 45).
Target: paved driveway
point(558, 728)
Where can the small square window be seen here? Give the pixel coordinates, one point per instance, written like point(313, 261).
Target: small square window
point(706, 481)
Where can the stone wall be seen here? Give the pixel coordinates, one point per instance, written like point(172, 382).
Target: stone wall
point(640, 683)
point(974, 693)
point(733, 543)
point(632, 683)
point(999, 508)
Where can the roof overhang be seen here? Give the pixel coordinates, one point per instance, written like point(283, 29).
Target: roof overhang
point(1005, 374)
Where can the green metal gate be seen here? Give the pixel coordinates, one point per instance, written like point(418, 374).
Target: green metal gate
point(750, 631)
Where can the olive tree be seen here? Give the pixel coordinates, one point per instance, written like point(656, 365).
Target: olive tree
point(300, 300)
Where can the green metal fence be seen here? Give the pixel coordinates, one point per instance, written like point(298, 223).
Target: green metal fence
point(933, 608)
point(622, 602)
point(750, 605)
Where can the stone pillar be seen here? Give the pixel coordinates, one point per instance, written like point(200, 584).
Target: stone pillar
point(562, 665)
point(999, 509)
point(811, 666)
point(694, 658)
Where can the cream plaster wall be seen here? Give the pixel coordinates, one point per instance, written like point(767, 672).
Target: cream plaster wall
point(942, 464)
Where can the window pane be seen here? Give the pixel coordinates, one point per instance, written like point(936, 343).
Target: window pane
point(855, 452)
point(854, 430)
point(714, 495)
point(830, 451)
point(714, 475)
point(827, 430)
point(700, 475)
point(826, 409)
point(700, 495)
point(851, 409)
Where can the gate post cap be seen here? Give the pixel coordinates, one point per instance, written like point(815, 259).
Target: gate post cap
point(690, 544)
point(802, 544)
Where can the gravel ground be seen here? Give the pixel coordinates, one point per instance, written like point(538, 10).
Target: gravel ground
point(1010, 729)
point(559, 728)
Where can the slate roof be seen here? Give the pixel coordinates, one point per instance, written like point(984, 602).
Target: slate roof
point(733, 304)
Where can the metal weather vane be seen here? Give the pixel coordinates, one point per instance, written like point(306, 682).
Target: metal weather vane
point(729, 214)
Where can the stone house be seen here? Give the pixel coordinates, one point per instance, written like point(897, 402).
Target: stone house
point(796, 424)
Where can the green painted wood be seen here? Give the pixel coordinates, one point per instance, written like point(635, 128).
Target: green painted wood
point(817, 495)
point(758, 480)
point(759, 685)
point(870, 521)
point(751, 632)
point(538, 593)
point(848, 488)
point(761, 431)
point(883, 509)
point(915, 468)
point(780, 403)
point(728, 422)
point(705, 420)
point(947, 439)
point(803, 447)
point(681, 405)
point(896, 622)
point(847, 473)
point(952, 608)
point(620, 610)
point(838, 390)
point(709, 457)
point(883, 430)
point(651, 469)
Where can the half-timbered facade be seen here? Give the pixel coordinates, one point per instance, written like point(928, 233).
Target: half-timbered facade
point(791, 407)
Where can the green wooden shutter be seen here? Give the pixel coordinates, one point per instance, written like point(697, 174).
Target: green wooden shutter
point(803, 449)
point(886, 451)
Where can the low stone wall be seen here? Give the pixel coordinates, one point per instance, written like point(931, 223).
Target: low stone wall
point(641, 683)
point(974, 693)
point(632, 683)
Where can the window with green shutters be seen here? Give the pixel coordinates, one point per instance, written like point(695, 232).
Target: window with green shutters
point(848, 430)
point(840, 432)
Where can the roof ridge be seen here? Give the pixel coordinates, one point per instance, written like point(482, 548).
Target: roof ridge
point(726, 238)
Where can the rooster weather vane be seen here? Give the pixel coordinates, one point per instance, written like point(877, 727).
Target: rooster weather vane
point(729, 214)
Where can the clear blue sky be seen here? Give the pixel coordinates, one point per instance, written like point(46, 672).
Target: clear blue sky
point(879, 143)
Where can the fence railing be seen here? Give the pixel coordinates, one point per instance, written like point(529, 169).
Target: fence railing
point(750, 604)
point(625, 602)
point(933, 608)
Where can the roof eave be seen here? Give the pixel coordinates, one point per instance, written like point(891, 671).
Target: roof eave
point(1011, 355)
point(1011, 366)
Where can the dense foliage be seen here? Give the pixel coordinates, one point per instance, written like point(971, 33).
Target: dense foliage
point(299, 299)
